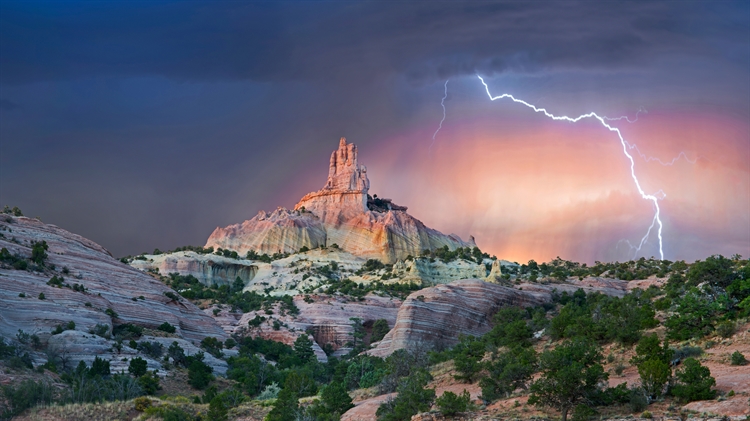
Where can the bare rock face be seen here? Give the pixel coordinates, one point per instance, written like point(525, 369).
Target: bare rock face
point(422, 270)
point(338, 214)
point(132, 296)
point(435, 317)
point(326, 318)
point(209, 269)
point(281, 231)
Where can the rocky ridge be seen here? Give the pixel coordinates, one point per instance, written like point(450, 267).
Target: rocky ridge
point(114, 294)
point(338, 214)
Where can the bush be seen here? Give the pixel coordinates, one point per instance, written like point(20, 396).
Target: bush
point(138, 367)
point(26, 395)
point(213, 346)
point(655, 375)
point(270, 392)
point(725, 329)
point(508, 371)
point(141, 403)
point(637, 400)
point(570, 374)
point(100, 329)
point(688, 352)
point(694, 382)
point(199, 373)
point(379, 330)
point(738, 358)
point(412, 399)
point(152, 349)
point(149, 382)
point(285, 408)
point(450, 404)
point(467, 357)
point(166, 327)
point(38, 252)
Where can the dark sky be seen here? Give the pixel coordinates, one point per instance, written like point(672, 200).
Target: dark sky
point(147, 124)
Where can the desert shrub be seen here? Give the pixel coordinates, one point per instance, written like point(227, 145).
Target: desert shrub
point(379, 330)
point(694, 316)
point(450, 404)
point(166, 327)
point(334, 401)
point(467, 356)
point(270, 392)
point(199, 373)
point(363, 372)
point(39, 252)
point(213, 346)
point(508, 371)
point(655, 375)
point(137, 367)
point(141, 403)
point(177, 354)
point(688, 352)
point(725, 329)
point(170, 413)
point(401, 363)
point(570, 373)
point(149, 382)
point(152, 349)
point(694, 382)
point(617, 319)
point(27, 394)
point(71, 325)
point(100, 329)
point(412, 398)
point(372, 264)
point(217, 409)
point(285, 408)
point(738, 359)
point(637, 399)
point(510, 328)
point(301, 384)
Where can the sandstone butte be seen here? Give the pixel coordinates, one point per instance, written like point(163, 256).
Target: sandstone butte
point(340, 213)
point(131, 295)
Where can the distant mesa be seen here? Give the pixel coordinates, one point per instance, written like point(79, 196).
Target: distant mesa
point(341, 213)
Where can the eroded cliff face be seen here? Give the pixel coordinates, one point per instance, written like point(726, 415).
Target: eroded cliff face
point(281, 231)
point(131, 295)
point(338, 214)
point(209, 269)
point(435, 317)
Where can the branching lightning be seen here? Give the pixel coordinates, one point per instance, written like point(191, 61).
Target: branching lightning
point(625, 147)
point(442, 104)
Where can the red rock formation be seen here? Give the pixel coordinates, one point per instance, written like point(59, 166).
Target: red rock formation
point(337, 214)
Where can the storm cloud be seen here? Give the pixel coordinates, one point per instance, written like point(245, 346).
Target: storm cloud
point(148, 124)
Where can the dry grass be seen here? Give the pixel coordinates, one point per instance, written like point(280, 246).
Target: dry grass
point(108, 411)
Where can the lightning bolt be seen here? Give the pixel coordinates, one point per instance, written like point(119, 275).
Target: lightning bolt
point(625, 147)
point(442, 104)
